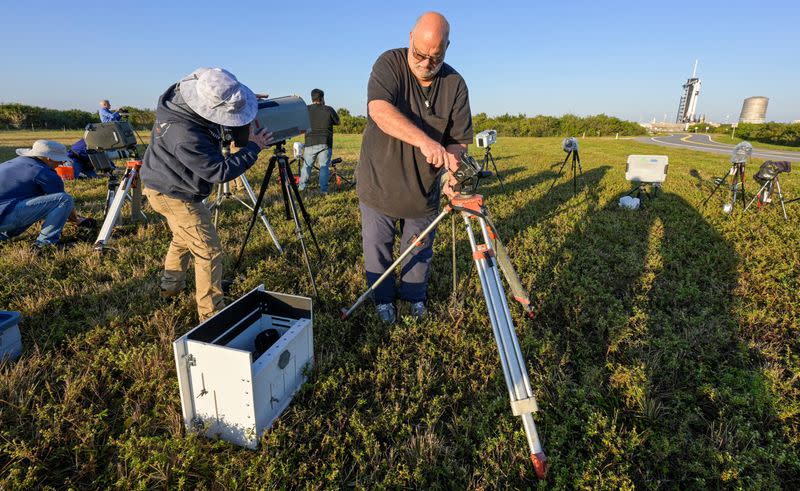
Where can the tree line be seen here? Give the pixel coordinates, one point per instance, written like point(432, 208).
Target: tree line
point(21, 116)
point(775, 133)
point(522, 125)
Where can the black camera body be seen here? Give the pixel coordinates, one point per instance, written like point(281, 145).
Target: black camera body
point(238, 135)
point(114, 135)
point(468, 168)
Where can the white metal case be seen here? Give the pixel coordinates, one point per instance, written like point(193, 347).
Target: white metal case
point(225, 391)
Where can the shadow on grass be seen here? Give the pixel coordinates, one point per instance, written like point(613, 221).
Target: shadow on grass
point(638, 327)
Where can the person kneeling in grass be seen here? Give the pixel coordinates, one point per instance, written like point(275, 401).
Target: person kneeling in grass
point(30, 191)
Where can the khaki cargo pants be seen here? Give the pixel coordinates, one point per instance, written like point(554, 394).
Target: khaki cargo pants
point(193, 236)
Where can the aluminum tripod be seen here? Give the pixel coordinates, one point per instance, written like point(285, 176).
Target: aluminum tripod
point(129, 188)
point(764, 195)
point(490, 255)
point(224, 192)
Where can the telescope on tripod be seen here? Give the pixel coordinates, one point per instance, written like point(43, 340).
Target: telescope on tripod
point(491, 259)
point(285, 118)
point(118, 137)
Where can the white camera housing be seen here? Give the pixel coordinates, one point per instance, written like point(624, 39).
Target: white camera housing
point(484, 139)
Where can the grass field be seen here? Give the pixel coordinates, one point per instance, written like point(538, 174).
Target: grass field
point(665, 353)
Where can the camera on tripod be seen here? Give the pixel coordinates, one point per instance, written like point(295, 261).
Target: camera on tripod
point(485, 139)
point(101, 138)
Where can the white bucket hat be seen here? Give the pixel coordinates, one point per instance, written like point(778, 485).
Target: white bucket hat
point(47, 149)
point(219, 97)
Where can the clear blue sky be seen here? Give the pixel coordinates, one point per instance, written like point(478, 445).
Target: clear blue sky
point(621, 58)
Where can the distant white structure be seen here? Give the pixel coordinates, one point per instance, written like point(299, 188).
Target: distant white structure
point(688, 105)
point(754, 110)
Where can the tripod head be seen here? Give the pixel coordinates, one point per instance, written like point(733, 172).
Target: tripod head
point(469, 174)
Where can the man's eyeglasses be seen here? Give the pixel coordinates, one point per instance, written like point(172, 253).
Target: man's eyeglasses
point(420, 57)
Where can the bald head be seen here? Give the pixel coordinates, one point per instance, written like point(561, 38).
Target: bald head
point(431, 27)
point(428, 42)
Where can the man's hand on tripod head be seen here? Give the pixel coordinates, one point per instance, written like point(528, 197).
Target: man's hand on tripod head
point(454, 152)
point(434, 153)
point(261, 137)
point(449, 186)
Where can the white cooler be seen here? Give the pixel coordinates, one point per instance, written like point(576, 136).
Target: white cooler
point(225, 392)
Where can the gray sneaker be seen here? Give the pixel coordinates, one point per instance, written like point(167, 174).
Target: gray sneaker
point(386, 312)
point(418, 310)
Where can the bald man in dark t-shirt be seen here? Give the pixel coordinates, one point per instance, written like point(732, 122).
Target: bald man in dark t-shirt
point(419, 122)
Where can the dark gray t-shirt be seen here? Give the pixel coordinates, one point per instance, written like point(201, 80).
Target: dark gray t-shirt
point(393, 176)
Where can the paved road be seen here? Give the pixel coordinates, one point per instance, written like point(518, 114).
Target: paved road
point(703, 143)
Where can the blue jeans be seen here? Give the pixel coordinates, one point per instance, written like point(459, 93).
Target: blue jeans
point(53, 208)
point(378, 232)
point(79, 169)
point(321, 154)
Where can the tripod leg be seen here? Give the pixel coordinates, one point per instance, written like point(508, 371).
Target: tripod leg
point(560, 169)
point(757, 195)
point(523, 403)
point(720, 183)
point(780, 197)
point(249, 190)
point(256, 206)
point(347, 312)
point(288, 185)
point(496, 172)
point(215, 204)
point(510, 274)
point(741, 178)
point(113, 212)
point(137, 215)
point(293, 188)
point(453, 250)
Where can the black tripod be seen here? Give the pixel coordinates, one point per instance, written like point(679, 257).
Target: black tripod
point(291, 202)
point(487, 158)
point(577, 171)
point(737, 171)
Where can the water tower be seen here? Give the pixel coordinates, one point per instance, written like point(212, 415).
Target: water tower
point(754, 110)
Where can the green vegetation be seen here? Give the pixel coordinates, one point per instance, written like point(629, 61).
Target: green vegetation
point(664, 354)
point(21, 116)
point(522, 125)
point(777, 134)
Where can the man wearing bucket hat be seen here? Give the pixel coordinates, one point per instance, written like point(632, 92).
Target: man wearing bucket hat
point(30, 190)
point(184, 161)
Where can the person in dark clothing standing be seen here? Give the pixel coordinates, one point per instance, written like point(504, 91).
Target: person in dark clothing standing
point(319, 141)
point(418, 125)
point(184, 161)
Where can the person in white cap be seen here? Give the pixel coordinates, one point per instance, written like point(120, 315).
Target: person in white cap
point(184, 161)
point(30, 191)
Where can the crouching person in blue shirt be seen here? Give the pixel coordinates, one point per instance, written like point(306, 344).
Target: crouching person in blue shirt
point(30, 191)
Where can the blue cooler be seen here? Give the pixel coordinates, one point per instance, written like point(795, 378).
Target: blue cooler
point(10, 340)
